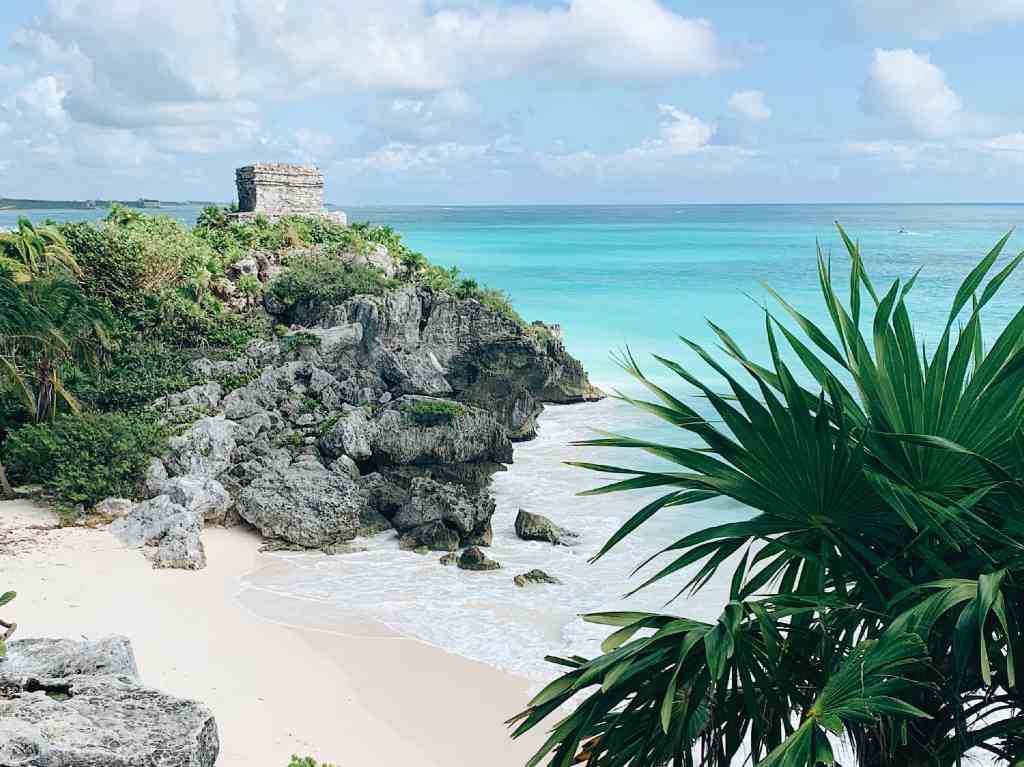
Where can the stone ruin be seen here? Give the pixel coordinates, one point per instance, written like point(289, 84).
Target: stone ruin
point(275, 190)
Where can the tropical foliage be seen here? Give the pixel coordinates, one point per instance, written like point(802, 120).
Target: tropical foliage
point(8, 628)
point(30, 251)
point(877, 590)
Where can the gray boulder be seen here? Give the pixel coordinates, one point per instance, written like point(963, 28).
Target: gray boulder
point(474, 559)
point(352, 434)
point(113, 508)
point(534, 576)
point(169, 531)
point(45, 658)
point(202, 495)
point(534, 527)
point(80, 704)
point(206, 449)
point(202, 398)
point(409, 433)
point(304, 503)
point(466, 514)
point(103, 721)
point(432, 536)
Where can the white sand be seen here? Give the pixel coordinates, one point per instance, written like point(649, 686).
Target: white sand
point(350, 694)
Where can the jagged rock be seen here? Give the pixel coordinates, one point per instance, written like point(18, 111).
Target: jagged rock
point(404, 435)
point(206, 449)
point(203, 495)
point(474, 559)
point(534, 527)
point(156, 473)
point(222, 368)
point(372, 522)
point(303, 502)
point(170, 531)
point(451, 558)
point(104, 721)
point(351, 434)
point(203, 398)
point(278, 385)
point(534, 576)
point(466, 514)
point(47, 658)
point(432, 536)
point(113, 508)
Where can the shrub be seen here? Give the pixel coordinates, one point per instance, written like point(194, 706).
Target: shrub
point(300, 340)
point(307, 761)
point(314, 283)
point(8, 628)
point(432, 411)
point(87, 457)
point(876, 589)
point(139, 373)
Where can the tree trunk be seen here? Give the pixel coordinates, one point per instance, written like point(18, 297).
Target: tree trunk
point(6, 491)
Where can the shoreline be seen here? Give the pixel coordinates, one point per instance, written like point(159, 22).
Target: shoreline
point(343, 692)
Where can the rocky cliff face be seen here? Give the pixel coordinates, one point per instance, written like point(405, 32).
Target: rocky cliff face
point(394, 411)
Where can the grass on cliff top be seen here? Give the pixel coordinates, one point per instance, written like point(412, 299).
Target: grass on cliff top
point(433, 409)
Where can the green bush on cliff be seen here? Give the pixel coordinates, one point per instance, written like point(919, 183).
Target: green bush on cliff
point(87, 457)
point(140, 372)
point(316, 282)
point(432, 411)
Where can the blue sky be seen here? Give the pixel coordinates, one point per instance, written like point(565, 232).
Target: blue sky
point(490, 102)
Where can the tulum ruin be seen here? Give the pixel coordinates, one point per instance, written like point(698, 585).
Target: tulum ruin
point(275, 190)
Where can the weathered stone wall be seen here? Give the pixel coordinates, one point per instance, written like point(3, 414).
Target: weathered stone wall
point(280, 190)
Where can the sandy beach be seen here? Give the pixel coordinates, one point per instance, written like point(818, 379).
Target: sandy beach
point(348, 693)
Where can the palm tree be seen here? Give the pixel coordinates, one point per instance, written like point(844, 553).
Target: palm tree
point(31, 251)
point(877, 592)
point(45, 326)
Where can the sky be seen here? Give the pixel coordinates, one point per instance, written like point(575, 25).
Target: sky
point(506, 102)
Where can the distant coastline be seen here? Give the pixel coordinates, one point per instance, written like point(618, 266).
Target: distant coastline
point(14, 203)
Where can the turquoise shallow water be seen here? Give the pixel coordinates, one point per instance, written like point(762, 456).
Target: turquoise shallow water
point(613, 276)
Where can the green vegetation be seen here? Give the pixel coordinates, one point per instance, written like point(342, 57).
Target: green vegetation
point(315, 282)
point(307, 761)
point(877, 593)
point(432, 410)
point(8, 628)
point(84, 458)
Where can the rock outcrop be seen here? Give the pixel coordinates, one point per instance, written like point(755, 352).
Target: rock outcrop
point(474, 559)
point(534, 576)
point(167, 531)
point(535, 527)
point(391, 411)
point(68, 703)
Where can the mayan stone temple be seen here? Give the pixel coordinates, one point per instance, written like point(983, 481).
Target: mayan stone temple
point(275, 190)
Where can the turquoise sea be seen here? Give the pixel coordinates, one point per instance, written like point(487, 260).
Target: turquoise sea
point(616, 276)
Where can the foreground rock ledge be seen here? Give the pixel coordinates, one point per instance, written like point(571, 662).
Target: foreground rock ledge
point(81, 704)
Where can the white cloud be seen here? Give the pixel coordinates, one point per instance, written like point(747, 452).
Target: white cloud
point(120, 63)
point(397, 157)
point(750, 104)
point(44, 97)
point(934, 18)
point(684, 146)
point(681, 134)
point(1009, 146)
point(908, 88)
